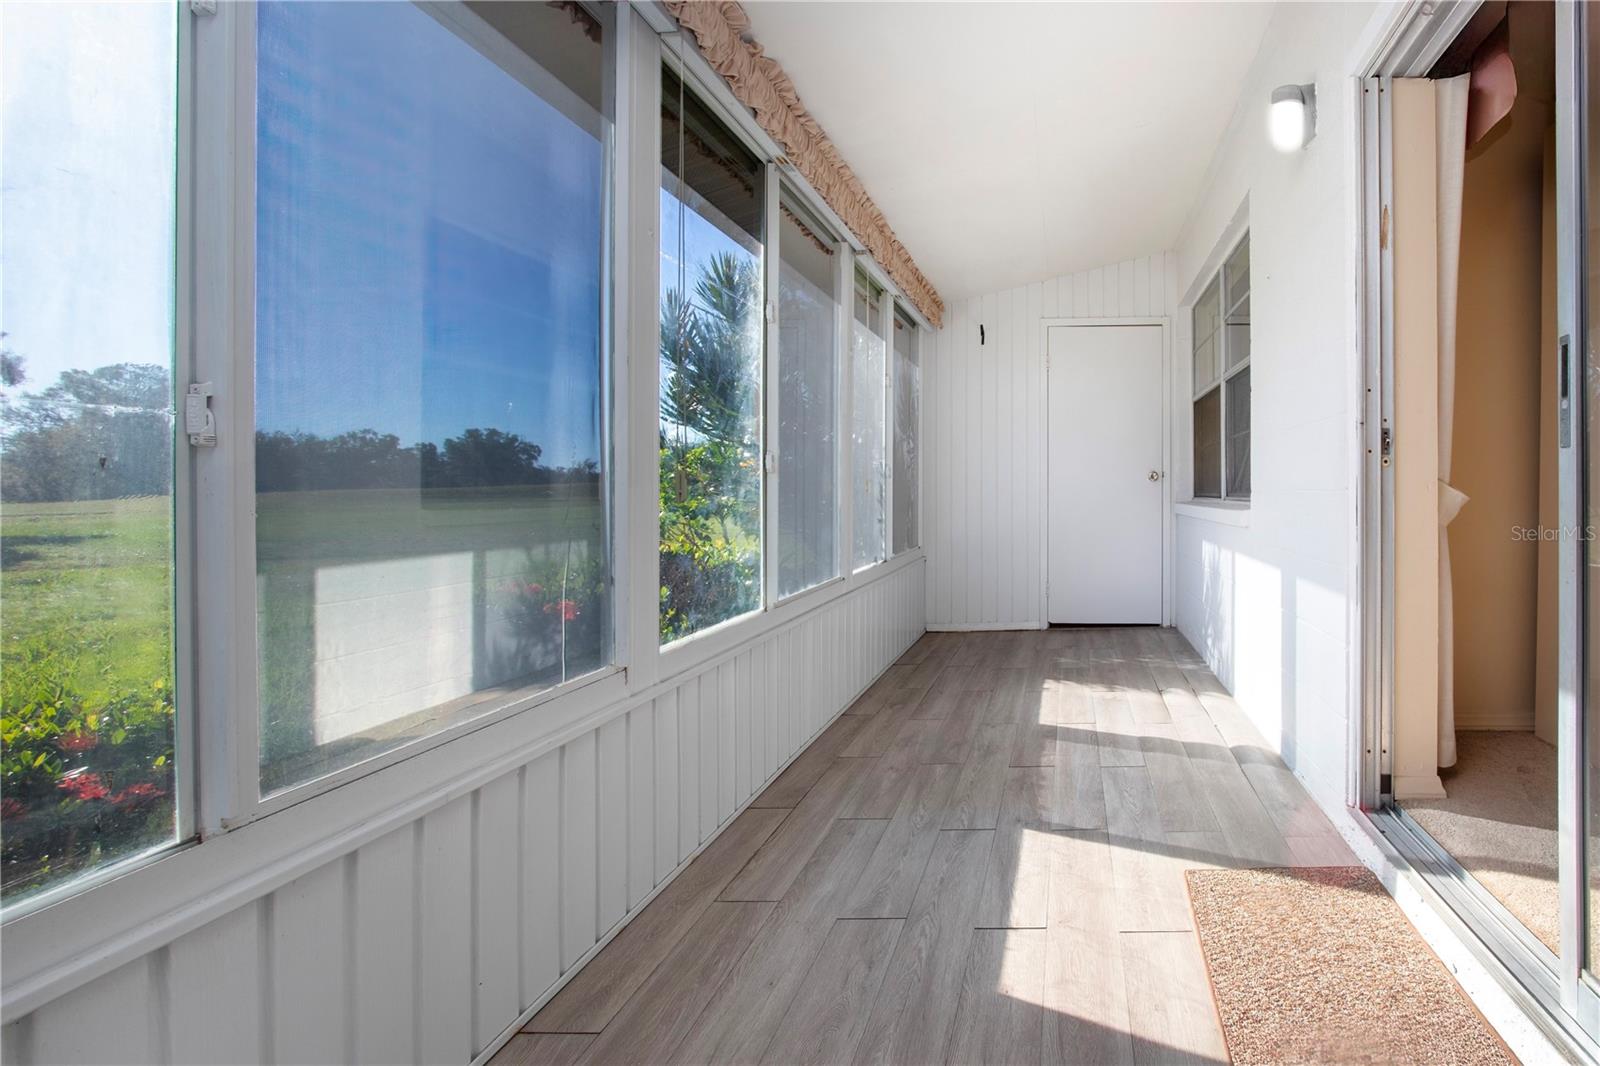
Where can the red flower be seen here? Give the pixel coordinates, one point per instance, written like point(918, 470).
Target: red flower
point(84, 786)
point(534, 589)
point(12, 808)
point(567, 608)
point(77, 743)
point(144, 792)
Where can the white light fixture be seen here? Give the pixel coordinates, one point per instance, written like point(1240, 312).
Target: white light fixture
point(1292, 119)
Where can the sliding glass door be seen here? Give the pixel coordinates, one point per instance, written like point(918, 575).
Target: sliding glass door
point(1484, 659)
point(1577, 106)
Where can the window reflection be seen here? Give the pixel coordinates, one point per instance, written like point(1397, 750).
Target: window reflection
point(907, 416)
point(868, 362)
point(430, 525)
point(807, 430)
point(712, 201)
point(88, 146)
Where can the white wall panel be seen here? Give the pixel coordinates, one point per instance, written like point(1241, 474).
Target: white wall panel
point(579, 849)
point(386, 919)
point(496, 876)
point(444, 873)
point(1268, 603)
point(427, 943)
point(984, 437)
point(307, 947)
point(540, 918)
point(641, 784)
point(214, 975)
point(612, 821)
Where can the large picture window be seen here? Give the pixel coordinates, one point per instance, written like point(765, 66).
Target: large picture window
point(869, 410)
point(808, 370)
point(88, 146)
point(1221, 424)
point(430, 464)
point(712, 207)
point(907, 420)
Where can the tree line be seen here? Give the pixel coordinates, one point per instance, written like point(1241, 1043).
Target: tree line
point(107, 434)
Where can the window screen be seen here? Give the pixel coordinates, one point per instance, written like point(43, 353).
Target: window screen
point(712, 206)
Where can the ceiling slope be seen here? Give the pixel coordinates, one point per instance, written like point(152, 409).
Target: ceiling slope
point(1011, 142)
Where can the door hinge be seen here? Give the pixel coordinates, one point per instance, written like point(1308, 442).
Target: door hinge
point(198, 421)
point(202, 7)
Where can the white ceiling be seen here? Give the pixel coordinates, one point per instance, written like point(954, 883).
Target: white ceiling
point(1008, 142)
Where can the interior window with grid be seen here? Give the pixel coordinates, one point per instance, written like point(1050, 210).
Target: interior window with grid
point(1222, 381)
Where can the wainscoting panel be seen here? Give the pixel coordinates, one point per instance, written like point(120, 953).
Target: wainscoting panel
point(427, 943)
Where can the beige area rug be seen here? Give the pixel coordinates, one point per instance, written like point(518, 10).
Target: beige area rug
point(1320, 966)
point(1499, 822)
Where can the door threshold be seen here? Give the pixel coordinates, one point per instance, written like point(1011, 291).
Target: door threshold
point(1522, 965)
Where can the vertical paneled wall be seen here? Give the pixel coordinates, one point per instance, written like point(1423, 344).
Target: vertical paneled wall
point(984, 437)
point(425, 944)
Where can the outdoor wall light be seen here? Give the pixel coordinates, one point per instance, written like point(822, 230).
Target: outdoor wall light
point(1292, 119)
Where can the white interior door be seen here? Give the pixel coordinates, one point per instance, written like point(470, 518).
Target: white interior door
point(1106, 469)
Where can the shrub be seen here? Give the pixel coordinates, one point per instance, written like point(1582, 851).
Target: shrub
point(86, 770)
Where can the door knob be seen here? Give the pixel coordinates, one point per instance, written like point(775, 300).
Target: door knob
point(1155, 475)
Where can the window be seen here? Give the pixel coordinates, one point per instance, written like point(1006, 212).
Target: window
point(907, 419)
point(430, 465)
point(808, 371)
point(88, 145)
point(869, 400)
point(1221, 446)
point(712, 206)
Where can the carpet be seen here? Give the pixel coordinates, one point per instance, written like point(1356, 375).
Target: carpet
point(1320, 966)
point(1499, 822)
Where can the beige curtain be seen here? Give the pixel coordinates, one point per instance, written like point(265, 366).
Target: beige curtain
point(1451, 111)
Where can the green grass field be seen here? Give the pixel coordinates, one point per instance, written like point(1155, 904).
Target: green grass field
point(101, 571)
point(95, 577)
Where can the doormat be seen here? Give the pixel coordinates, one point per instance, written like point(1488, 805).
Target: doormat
point(1320, 966)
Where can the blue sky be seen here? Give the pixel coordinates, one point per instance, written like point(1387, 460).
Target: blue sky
point(429, 228)
point(429, 237)
point(87, 169)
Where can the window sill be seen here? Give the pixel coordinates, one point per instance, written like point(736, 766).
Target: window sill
point(695, 651)
point(1222, 512)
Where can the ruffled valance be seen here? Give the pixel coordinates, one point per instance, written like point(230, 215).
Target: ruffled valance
point(722, 33)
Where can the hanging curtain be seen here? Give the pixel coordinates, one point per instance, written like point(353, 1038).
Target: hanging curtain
point(1451, 110)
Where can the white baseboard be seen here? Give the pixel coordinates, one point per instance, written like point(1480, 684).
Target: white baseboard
point(979, 627)
point(1513, 721)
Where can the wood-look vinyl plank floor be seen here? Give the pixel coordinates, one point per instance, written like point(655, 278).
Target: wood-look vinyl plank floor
point(544, 1049)
point(803, 773)
point(1171, 1016)
point(975, 803)
point(831, 1008)
point(891, 879)
point(1017, 881)
point(911, 1019)
point(659, 1014)
point(592, 998)
point(1001, 1016)
point(741, 1018)
point(980, 862)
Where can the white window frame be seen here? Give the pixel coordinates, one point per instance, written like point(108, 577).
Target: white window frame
point(887, 300)
point(56, 936)
point(224, 353)
point(1224, 375)
point(902, 310)
point(778, 191)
